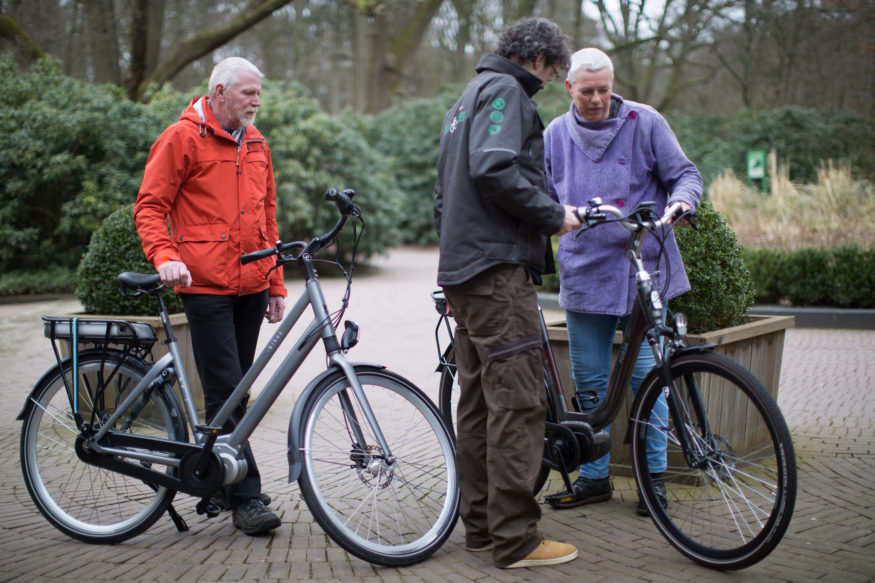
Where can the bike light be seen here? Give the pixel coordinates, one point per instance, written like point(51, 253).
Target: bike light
point(680, 324)
point(350, 335)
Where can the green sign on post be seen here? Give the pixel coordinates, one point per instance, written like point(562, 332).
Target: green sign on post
point(756, 164)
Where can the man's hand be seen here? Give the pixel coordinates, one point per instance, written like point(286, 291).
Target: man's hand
point(174, 273)
point(571, 221)
point(684, 208)
point(276, 307)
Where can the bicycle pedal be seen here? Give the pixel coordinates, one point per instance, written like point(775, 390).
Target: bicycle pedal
point(208, 507)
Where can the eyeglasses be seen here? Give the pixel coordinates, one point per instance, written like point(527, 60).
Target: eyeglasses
point(555, 75)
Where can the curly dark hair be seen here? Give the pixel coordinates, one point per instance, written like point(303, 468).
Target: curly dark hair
point(531, 37)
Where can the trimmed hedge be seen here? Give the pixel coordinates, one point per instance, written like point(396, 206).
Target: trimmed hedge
point(114, 248)
point(52, 280)
point(842, 277)
point(722, 288)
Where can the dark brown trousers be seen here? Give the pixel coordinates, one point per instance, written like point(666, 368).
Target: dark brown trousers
point(501, 409)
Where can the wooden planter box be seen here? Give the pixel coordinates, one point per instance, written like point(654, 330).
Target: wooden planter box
point(181, 331)
point(757, 345)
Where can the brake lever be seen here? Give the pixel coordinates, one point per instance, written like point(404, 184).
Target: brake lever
point(689, 216)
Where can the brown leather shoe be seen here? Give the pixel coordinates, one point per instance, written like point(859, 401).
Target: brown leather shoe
point(547, 553)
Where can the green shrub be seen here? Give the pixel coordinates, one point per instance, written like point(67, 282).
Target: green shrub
point(853, 277)
point(408, 137)
point(313, 151)
point(841, 277)
point(765, 268)
point(57, 279)
point(802, 137)
point(71, 152)
point(722, 289)
point(114, 248)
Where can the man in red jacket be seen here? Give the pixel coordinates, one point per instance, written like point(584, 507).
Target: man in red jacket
point(210, 174)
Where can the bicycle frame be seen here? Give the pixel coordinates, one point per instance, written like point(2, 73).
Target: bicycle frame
point(646, 322)
point(229, 446)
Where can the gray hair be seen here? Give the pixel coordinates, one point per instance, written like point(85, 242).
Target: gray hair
point(591, 59)
point(228, 71)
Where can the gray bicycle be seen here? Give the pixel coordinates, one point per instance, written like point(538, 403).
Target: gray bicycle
point(105, 442)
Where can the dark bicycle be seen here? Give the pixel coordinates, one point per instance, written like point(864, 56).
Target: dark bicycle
point(731, 475)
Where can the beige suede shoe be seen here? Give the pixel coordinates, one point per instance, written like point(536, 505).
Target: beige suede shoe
point(547, 553)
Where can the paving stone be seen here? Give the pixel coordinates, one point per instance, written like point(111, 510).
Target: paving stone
point(827, 393)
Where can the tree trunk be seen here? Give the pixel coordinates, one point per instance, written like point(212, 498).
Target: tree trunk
point(202, 43)
point(103, 37)
point(24, 46)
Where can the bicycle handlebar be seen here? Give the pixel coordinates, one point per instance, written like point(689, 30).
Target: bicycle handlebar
point(640, 218)
point(343, 201)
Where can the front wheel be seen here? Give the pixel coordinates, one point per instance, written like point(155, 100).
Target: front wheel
point(87, 502)
point(731, 493)
point(391, 511)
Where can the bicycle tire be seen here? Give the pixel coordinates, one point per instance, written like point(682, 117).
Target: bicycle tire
point(83, 501)
point(447, 392)
point(732, 509)
point(388, 514)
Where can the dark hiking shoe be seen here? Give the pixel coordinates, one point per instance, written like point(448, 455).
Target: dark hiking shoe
point(659, 488)
point(220, 501)
point(583, 491)
point(253, 517)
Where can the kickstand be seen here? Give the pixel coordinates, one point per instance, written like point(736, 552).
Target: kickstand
point(180, 523)
point(557, 454)
point(181, 526)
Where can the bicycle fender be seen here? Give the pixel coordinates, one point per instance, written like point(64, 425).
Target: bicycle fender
point(53, 371)
point(296, 423)
point(28, 403)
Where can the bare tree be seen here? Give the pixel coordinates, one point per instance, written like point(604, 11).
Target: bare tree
point(653, 43)
point(140, 44)
point(800, 52)
point(203, 42)
point(13, 37)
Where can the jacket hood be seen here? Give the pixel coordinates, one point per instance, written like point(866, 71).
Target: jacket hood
point(594, 138)
point(200, 113)
point(530, 83)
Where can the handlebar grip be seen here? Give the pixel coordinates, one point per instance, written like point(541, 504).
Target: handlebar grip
point(256, 255)
point(343, 200)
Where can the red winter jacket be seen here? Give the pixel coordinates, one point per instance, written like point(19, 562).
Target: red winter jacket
point(220, 198)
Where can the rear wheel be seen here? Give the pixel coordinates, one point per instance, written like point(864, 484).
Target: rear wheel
point(84, 501)
point(731, 496)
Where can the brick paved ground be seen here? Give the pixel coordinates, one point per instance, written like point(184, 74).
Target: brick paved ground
point(827, 394)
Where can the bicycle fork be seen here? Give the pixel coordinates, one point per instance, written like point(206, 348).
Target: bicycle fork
point(362, 452)
point(680, 405)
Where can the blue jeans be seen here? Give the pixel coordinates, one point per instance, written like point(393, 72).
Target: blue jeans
point(590, 338)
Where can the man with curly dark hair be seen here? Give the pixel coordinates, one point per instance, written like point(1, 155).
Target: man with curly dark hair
point(494, 219)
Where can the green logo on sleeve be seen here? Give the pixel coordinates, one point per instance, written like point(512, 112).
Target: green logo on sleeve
point(494, 129)
point(498, 103)
point(496, 117)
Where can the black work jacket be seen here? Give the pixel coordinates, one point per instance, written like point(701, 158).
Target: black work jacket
point(491, 202)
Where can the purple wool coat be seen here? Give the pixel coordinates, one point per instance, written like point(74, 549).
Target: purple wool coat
point(624, 160)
